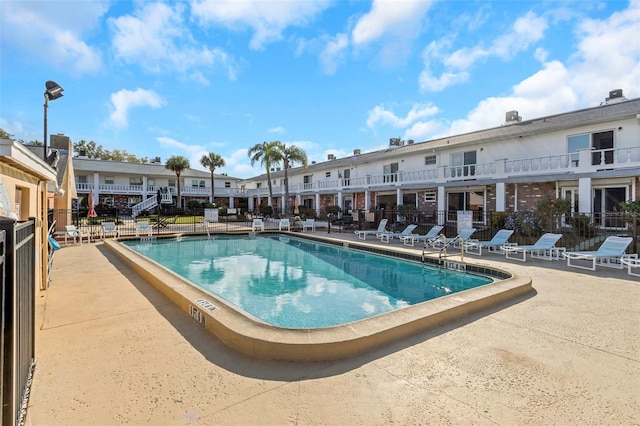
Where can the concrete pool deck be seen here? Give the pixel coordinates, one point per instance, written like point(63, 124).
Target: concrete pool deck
point(111, 349)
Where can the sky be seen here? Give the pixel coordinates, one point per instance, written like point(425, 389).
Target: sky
point(187, 78)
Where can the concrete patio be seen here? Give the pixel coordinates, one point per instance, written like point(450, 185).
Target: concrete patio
point(111, 349)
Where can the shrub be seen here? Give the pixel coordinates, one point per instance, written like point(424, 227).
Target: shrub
point(266, 210)
point(525, 223)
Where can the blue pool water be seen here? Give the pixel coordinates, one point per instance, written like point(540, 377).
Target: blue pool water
point(297, 283)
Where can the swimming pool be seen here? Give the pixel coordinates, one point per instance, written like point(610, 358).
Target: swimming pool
point(297, 283)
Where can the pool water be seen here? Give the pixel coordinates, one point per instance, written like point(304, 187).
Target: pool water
point(297, 283)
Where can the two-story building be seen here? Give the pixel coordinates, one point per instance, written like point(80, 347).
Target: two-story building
point(590, 156)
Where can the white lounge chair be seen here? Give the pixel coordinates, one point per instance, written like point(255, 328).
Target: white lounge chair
point(457, 241)
point(109, 228)
point(429, 238)
point(609, 254)
point(143, 227)
point(385, 237)
point(381, 227)
point(545, 248)
point(309, 224)
point(500, 239)
point(71, 231)
point(284, 223)
point(257, 225)
point(632, 264)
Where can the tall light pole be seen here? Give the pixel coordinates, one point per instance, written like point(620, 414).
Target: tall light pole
point(53, 92)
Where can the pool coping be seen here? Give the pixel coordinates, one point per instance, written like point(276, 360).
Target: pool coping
point(252, 337)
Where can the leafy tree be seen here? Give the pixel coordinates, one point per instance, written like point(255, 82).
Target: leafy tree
point(92, 150)
point(289, 155)
point(5, 135)
point(267, 154)
point(212, 162)
point(177, 164)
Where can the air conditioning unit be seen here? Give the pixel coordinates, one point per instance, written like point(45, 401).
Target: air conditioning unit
point(512, 116)
point(410, 142)
point(613, 94)
point(331, 157)
point(395, 142)
point(356, 152)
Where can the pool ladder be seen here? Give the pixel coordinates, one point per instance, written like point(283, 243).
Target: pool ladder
point(443, 250)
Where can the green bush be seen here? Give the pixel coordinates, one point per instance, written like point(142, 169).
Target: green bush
point(266, 210)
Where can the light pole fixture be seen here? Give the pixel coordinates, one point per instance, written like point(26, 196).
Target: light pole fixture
point(53, 92)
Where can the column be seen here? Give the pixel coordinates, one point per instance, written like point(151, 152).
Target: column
point(367, 200)
point(501, 197)
point(96, 188)
point(585, 197)
point(442, 205)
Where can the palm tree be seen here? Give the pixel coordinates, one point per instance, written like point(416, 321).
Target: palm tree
point(212, 162)
point(268, 155)
point(177, 164)
point(289, 155)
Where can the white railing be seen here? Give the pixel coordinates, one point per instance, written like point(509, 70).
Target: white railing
point(147, 204)
point(583, 161)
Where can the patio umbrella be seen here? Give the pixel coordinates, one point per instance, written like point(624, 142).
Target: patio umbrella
point(92, 210)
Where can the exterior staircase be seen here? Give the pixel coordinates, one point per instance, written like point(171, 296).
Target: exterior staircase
point(150, 203)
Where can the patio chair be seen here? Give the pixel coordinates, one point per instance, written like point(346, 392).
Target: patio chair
point(143, 227)
point(386, 236)
point(632, 264)
point(429, 238)
point(257, 225)
point(609, 254)
point(71, 231)
point(109, 228)
point(500, 239)
point(457, 241)
point(284, 223)
point(545, 248)
point(309, 224)
point(381, 228)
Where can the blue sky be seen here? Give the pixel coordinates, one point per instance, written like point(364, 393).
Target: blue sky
point(187, 78)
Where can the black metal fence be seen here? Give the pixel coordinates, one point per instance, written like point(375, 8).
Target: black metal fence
point(580, 232)
point(18, 317)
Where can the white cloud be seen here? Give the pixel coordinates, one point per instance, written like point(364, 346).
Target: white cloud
point(526, 31)
point(277, 129)
point(53, 33)
point(267, 19)
point(156, 38)
point(124, 100)
point(333, 53)
point(390, 17)
point(381, 115)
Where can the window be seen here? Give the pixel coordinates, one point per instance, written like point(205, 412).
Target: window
point(197, 183)
point(259, 185)
point(601, 142)
point(108, 180)
point(108, 201)
point(430, 196)
point(327, 174)
point(345, 176)
point(227, 184)
point(308, 181)
point(172, 183)
point(576, 143)
point(429, 160)
point(151, 182)
point(81, 179)
point(390, 173)
point(132, 201)
point(463, 164)
point(135, 181)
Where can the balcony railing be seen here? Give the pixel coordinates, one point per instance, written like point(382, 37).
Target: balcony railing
point(584, 161)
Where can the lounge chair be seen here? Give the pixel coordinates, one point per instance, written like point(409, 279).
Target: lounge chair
point(309, 224)
point(429, 238)
point(386, 236)
point(499, 239)
point(72, 232)
point(457, 241)
point(284, 223)
point(143, 227)
point(257, 225)
point(545, 248)
point(610, 253)
point(109, 228)
point(631, 263)
point(381, 227)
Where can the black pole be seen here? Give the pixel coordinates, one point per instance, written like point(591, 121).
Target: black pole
point(44, 141)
